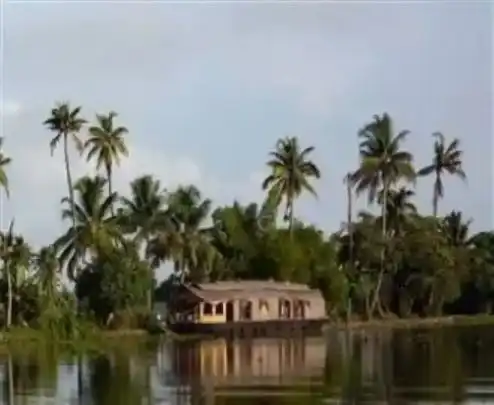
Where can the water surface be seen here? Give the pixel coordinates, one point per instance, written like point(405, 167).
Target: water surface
point(430, 366)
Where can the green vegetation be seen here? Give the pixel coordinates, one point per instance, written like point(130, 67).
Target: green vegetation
point(397, 263)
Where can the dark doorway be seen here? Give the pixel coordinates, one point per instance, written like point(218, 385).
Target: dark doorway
point(229, 311)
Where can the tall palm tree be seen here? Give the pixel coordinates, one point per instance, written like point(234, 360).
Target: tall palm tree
point(144, 214)
point(447, 158)
point(382, 164)
point(66, 122)
point(15, 254)
point(106, 143)
point(4, 162)
point(95, 230)
point(290, 173)
point(382, 161)
point(349, 225)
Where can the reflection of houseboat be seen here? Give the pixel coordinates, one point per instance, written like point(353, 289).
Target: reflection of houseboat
point(247, 308)
point(249, 362)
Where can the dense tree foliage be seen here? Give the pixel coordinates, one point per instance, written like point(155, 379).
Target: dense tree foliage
point(399, 262)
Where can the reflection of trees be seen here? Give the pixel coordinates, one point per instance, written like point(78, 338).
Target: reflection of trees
point(354, 365)
point(30, 375)
point(7, 381)
point(388, 365)
point(111, 381)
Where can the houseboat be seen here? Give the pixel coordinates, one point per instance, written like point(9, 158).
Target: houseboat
point(246, 309)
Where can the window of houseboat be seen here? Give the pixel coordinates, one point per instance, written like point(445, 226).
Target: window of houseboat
point(208, 309)
point(246, 310)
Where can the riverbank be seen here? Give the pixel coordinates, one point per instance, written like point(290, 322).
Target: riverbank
point(19, 340)
point(95, 340)
point(415, 323)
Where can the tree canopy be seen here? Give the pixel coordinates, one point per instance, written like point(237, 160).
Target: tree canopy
point(400, 262)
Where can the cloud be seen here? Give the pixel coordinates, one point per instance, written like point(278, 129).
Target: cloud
point(207, 89)
point(9, 108)
point(38, 179)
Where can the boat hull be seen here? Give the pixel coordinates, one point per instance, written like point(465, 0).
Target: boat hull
point(252, 329)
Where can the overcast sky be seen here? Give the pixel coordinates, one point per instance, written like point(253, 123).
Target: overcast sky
point(206, 89)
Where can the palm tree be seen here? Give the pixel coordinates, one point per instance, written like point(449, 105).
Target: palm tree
point(349, 193)
point(65, 123)
point(447, 158)
point(290, 173)
point(15, 254)
point(106, 143)
point(4, 161)
point(144, 212)
point(187, 207)
point(185, 243)
point(237, 233)
point(399, 206)
point(95, 230)
point(456, 228)
point(382, 164)
point(47, 274)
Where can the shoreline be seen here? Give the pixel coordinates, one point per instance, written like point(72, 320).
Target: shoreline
point(414, 323)
point(108, 338)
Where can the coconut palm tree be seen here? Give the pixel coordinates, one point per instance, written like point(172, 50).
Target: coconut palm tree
point(456, 228)
point(106, 144)
point(187, 207)
point(447, 158)
point(15, 255)
point(95, 230)
point(4, 162)
point(237, 233)
point(382, 161)
point(185, 243)
point(290, 173)
point(349, 225)
point(144, 212)
point(66, 123)
point(382, 164)
point(399, 206)
point(47, 274)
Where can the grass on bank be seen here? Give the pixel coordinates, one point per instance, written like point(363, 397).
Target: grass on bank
point(413, 323)
point(20, 339)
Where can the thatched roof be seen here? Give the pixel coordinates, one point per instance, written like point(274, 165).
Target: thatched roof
point(225, 290)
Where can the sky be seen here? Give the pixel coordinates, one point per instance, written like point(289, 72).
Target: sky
point(206, 89)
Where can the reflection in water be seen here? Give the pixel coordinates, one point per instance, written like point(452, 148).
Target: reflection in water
point(352, 367)
point(250, 362)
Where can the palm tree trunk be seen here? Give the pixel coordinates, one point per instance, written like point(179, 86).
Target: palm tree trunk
point(149, 294)
point(384, 213)
point(9, 295)
point(290, 225)
point(69, 176)
point(110, 186)
point(349, 218)
point(435, 198)
point(350, 240)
